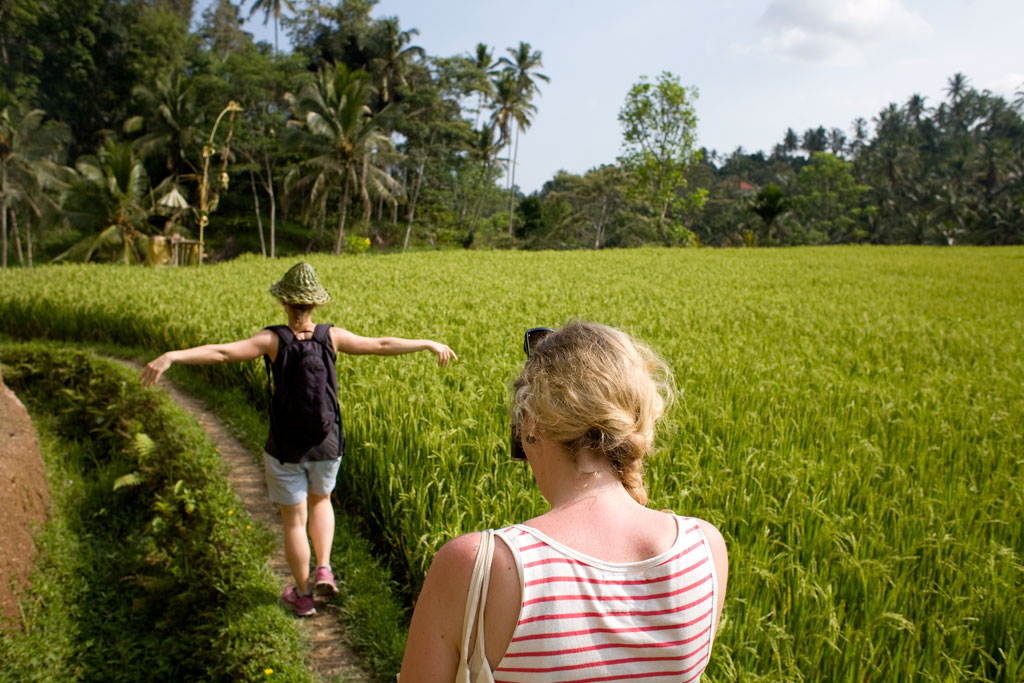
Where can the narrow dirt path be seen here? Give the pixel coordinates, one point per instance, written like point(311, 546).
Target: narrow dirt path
point(330, 654)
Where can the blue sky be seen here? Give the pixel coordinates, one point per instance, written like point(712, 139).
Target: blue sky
point(760, 65)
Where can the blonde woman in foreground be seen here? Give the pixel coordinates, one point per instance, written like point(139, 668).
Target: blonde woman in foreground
point(600, 587)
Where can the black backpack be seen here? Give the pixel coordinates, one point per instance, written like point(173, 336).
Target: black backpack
point(304, 401)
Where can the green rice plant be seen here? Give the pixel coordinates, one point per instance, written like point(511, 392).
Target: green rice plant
point(849, 417)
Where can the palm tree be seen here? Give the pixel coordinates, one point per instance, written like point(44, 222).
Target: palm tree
point(107, 200)
point(27, 152)
point(522, 70)
point(957, 88)
point(814, 140)
point(510, 109)
point(481, 62)
point(171, 122)
point(837, 141)
point(333, 124)
point(791, 141)
point(770, 203)
point(270, 8)
point(485, 150)
point(860, 135)
point(392, 55)
point(916, 108)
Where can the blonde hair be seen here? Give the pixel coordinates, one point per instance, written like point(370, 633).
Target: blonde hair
point(590, 386)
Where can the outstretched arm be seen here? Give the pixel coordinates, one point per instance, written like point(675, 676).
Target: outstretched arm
point(208, 354)
point(720, 556)
point(353, 344)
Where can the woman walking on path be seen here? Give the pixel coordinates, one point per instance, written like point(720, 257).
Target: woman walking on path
point(600, 587)
point(305, 443)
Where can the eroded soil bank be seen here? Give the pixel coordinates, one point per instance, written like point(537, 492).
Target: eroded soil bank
point(25, 498)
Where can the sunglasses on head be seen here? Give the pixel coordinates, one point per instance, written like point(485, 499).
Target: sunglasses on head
point(530, 340)
point(533, 337)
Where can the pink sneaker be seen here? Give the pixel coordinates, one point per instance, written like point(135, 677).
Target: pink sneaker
point(323, 582)
point(302, 605)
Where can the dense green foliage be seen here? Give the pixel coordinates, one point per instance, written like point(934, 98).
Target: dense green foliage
point(849, 417)
point(149, 568)
point(415, 152)
point(659, 125)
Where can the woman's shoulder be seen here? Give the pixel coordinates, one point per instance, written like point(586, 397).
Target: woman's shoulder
point(456, 559)
point(459, 550)
point(457, 556)
point(709, 530)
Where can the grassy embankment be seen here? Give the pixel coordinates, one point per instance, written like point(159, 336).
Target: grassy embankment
point(148, 568)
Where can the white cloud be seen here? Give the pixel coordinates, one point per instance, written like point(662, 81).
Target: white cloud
point(836, 30)
point(1008, 86)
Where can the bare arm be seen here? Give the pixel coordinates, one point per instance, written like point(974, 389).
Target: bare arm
point(353, 344)
point(234, 352)
point(435, 634)
point(720, 557)
point(432, 650)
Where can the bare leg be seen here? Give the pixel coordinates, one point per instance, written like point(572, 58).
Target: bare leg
point(296, 544)
point(321, 528)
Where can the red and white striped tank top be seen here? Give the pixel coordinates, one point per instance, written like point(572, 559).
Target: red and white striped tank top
point(585, 620)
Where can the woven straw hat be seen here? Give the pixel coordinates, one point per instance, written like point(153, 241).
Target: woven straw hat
point(300, 285)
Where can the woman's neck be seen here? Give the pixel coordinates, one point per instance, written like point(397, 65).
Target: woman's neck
point(571, 480)
point(300, 320)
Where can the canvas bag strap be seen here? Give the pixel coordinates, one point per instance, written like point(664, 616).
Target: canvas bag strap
point(476, 668)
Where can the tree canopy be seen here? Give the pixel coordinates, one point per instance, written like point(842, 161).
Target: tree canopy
point(355, 117)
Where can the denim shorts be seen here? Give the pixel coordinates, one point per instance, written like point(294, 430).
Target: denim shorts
point(290, 482)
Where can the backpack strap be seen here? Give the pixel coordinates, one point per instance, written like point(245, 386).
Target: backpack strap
point(322, 334)
point(284, 337)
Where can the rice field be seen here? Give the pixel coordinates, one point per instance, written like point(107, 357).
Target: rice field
point(851, 418)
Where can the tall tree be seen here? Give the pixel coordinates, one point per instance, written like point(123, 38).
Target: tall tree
point(837, 141)
point(108, 203)
point(521, 68)
point(332, 32)
point(594, 200)
point(769, 204)
point(659, 125)
point(511, 110)
point(481, 62)
point(28, 150)
point(84, 43)
point(484, 150)
point(791, 141)
point(221, 30)
point(273, 8)
point(334, 126)
point(391, 56)
point(258, 82)
point(158, 42)
point(860, 136)
point(828, 197)
point(814, 140)
point(169, 126)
